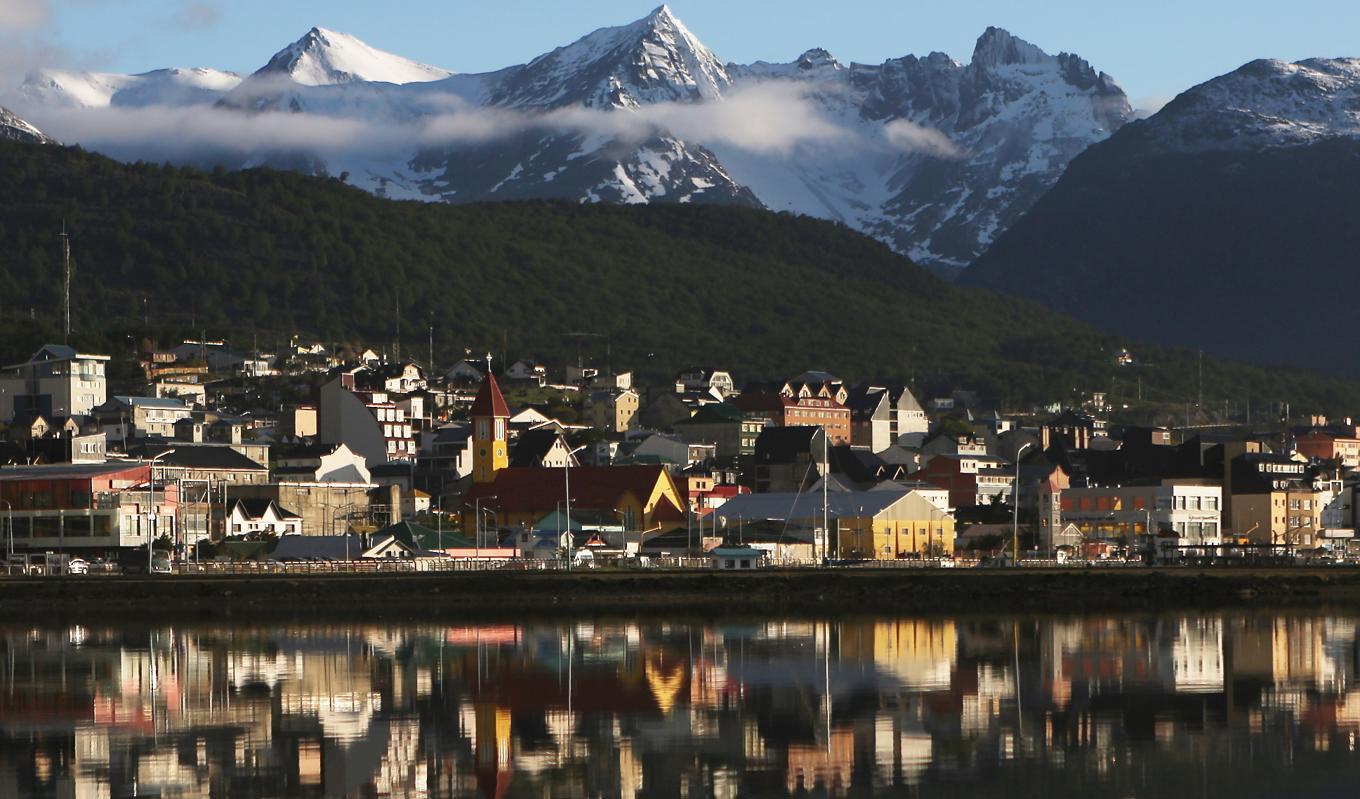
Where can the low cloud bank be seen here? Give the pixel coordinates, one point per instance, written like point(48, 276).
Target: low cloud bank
point(771, 119)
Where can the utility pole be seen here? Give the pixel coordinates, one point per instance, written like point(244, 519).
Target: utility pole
point(66, 292)
point(1200, 403)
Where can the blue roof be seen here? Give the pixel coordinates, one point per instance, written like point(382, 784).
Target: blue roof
point(735, 552)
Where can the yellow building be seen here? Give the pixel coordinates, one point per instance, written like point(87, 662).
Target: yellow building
point(910, 526)
point(1290, 516)
point(490, 419)
point(877, 525)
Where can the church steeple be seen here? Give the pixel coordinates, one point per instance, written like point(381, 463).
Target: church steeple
point(490, 418)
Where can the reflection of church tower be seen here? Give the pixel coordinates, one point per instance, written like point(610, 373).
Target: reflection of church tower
point(492, 743)
point(490, 417)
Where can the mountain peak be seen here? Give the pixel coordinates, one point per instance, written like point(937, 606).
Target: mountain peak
point(662, 13)
point(653, 59)
point(996, 47)
point(817, 57)
point(13, 128)
point(323, 57)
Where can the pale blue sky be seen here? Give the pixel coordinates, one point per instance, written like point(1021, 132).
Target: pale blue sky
point(1154, 48)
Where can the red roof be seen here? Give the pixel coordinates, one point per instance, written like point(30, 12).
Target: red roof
point(489, 400)
point(531, 489)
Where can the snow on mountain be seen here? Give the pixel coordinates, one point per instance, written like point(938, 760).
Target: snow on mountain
point(55, 88)
point(981, 142)
point(324, 58)
point(1266, 103)
point(12, 128)
point(932, 156)
point(656, 59)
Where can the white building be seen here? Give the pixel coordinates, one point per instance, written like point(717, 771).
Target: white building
point(253, 516)
point(57, 381)
point(1193, 512)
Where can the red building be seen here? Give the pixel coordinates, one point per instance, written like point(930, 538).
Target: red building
point(91, 509)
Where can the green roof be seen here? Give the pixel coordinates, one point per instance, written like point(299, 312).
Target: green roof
point(557, 522)
point(422, 537)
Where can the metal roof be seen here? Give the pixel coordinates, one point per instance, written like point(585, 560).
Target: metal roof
point(842, 504)
point(66, 471)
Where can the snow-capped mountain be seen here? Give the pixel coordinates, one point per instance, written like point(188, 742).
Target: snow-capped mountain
point(653, 60)
point(12, 128)
point(324, 58)
point(980, 142)
point(930, 155)
point(1180, 227)
point(55, 88)
point(1265, 103)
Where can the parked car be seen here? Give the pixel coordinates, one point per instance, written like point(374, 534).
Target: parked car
point(134, 562)
point(77, 566)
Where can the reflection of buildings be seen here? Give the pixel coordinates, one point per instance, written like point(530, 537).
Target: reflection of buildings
point(646, 709)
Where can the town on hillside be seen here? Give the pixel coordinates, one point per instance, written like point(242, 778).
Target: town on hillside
point(320, 456)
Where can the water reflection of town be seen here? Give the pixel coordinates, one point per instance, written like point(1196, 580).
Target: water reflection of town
point(629, 709)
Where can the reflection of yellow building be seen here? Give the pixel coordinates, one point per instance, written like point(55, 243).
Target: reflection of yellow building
point(1285, 651)
point(920, 653)
point(665, 681)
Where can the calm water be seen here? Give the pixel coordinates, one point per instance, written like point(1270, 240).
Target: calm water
point(1139, 706)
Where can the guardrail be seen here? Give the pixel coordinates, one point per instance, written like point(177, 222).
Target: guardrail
point(455, 565)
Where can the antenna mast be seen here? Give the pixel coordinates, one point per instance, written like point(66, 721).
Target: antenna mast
point(66, 289)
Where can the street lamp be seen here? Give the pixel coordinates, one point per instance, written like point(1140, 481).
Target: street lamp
point(1015, 507)
point(151, 510)
point(477, 520)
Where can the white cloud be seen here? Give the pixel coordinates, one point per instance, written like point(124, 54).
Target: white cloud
point(196, 16)
point(1144, 107)
point(24, 15)
point(770, 120)
point(909, 137)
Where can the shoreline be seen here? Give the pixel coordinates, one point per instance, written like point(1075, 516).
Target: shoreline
point(523, 595)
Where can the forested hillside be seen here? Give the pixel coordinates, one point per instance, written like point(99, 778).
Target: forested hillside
point(259, 255)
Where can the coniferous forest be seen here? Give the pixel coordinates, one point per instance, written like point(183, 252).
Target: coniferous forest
point(259, 255)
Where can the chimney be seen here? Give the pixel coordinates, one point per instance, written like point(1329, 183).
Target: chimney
point(189, 430)
point(394, 500)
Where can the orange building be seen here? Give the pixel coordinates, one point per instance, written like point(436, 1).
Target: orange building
point(1325, 445)
point(801, 404)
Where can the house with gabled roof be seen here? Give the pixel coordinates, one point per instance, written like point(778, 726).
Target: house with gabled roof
point(258, 516)
point(544, 448)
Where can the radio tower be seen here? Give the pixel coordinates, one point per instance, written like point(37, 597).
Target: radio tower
point(66, 292)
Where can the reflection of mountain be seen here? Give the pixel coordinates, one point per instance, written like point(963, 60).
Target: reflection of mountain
point(854, 707)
